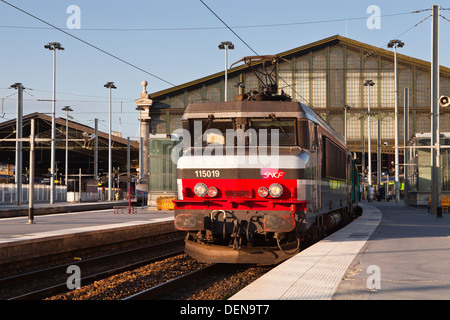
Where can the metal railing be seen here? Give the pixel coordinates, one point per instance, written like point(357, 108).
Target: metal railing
point(8, 193)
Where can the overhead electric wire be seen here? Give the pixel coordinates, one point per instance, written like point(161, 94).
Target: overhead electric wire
point(414, 26)
point(229, 28)
point(143, 29)
point(197, 28)
point(396, 37)
point(287, 84)
point(444, 18)
point(89, 44)
point(293, 90)
point(81, 95)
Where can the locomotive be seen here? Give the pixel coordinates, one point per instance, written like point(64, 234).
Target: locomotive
point(257, 177)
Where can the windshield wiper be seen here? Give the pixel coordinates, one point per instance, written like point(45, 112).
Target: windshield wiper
point(208, 122)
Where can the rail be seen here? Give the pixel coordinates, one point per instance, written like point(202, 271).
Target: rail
point(169, 286)
point(175, 247)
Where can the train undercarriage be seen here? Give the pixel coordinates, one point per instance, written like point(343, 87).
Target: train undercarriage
point(225, 236)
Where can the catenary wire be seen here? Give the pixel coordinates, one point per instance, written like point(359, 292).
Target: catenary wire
point(268, 25)
point(218, 27)
point(89, 44)
point(286, 83)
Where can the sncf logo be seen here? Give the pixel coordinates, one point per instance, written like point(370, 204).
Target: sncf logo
point(269, 173)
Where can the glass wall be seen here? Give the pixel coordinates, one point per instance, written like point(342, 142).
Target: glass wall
point(329, 78)
point(162, 168)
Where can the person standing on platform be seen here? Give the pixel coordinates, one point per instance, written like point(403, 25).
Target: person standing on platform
point(371, 193)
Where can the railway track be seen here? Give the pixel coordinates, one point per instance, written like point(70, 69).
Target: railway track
point(166, 278)
point(174, 284)
point(121, 261)
point(195, 284)
point(212, 282)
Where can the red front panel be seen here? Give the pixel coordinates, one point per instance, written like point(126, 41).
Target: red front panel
point(240, 194)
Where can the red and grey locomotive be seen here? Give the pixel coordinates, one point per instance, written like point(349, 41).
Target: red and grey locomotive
point(257, 177)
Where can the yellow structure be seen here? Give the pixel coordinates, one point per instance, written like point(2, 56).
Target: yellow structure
point(165, 202)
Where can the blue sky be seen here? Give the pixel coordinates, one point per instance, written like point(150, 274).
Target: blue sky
point(176, 40)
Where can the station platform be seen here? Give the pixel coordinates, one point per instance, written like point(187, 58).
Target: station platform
point(391, 252)
point(57, 233)
point(11, 210)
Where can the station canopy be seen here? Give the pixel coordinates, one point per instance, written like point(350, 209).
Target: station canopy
point(81, 153)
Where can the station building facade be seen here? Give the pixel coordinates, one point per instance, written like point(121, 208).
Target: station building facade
point(328, 75)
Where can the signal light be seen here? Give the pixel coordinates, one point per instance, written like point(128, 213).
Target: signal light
point(212, 192)
point(275, 190)
point(263, 192)
point(200, 189)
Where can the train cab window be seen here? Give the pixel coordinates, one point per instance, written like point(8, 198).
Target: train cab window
point(286, 128)
point(209, 131)
point(303, 134)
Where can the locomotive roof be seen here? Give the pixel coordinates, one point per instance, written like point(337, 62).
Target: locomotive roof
point(235, 109)
point(244, 109)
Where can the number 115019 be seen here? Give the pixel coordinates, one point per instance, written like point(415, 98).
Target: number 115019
point(207, 173)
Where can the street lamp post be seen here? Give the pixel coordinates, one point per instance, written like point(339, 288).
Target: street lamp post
point(369, 83)
point(53, 46)
point(226, 45)
point(109, 85)
point(19, 124)
point(396, 44)
point(67, 109)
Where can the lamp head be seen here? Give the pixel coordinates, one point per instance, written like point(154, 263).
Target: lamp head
point(54, 46)
point(110, 85)
point(395, 43)
point(223, 44)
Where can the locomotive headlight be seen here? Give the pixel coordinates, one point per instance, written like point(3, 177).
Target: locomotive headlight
point(263, 192)
point(200, 189)
point(275, 190)
point(212, 192)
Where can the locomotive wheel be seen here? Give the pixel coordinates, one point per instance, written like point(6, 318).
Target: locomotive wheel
point(345, 215)
point(313, 234)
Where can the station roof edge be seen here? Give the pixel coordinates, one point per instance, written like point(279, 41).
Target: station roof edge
point(72, 124)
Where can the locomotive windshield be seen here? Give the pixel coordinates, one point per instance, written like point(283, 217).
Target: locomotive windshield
point(210, 131)
point(254, 131)
point(285, 127)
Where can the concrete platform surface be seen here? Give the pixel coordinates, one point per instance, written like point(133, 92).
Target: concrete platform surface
point(10, 210)
point(315, 273)
point(409, 253)
point(17, 229)
point(74, 232)
point(392, 252)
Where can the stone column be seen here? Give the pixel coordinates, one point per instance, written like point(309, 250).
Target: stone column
point(143, 105)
